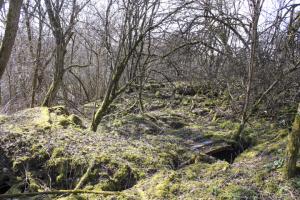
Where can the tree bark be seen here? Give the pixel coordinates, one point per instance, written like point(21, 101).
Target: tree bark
point(38, 62)
point(105, 104)
point(293, 147)
point(58, 75)
point(10, 33)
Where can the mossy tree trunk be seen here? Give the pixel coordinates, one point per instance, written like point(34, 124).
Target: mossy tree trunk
point(293, 147)
point(110, 95)
point(293, 143)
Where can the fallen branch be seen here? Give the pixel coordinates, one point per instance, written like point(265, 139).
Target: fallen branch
point(57, 192)
point(86, 175)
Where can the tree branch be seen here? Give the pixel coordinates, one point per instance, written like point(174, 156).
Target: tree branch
point(78, 66)
point(57, 192)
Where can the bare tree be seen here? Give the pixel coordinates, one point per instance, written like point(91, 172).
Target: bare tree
point(62, 37)
point(256, 10)
point(35, 53)
point(137, 23)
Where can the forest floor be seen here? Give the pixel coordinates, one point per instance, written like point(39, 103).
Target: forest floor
point(181, 147)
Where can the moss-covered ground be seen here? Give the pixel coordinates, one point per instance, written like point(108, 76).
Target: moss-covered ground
point(164, 153)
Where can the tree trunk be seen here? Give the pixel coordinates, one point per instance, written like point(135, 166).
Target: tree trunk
point(99, 115)
point(0, 93)
point(62, 39)
point(58, 75)
point(10, 33)
point(251, 68)
point(293, 147)
point(104, 106)
point(36, 57)
point(38, 62)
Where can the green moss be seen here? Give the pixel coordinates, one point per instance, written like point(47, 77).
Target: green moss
point(3, 118)
point(75, 120)
point(227, 124)
point(249, 154)
point(39, 151)
point(64, 122)
point(168, 158)
point(192, 172)
point(38, 155)
point(205, 170)
point(209, 103)
point(185, 101)
point(19, 162)
point(157, 94)
point(117, 123)
point(195, 181)
point(43, 119)
point(283, 132)
point(162, 189)
point(236, 192)
point(34, 186)
point(271, 187)
point(66, 170)
point(139, 151)
point(61, 166)
point(260, 177)
point(219, 135)
point(123, 178)
point(59, 110)
point(220, 166)
point(135, 157)
point(58, 152)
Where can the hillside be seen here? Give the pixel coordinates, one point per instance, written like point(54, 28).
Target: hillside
point(181, 147)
